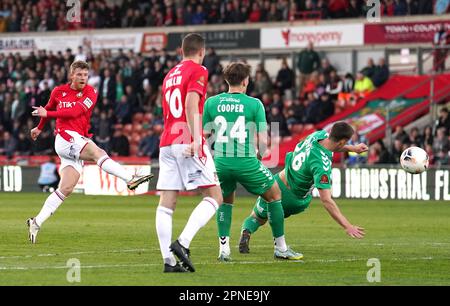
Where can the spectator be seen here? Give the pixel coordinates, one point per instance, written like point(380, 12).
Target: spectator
point(49, 177)
point(108, 86)
point(412, 7)
point(363, 85)
point(354, 9)
point(441, 39)
point(327, 107)
point(10, 144)
point(400, 8)
point(400, 134)
point(338, 8)
point(326, 68)
point(123, 111)
point(285, 77)
point(23, 145)
point(354, 158)
point(369, 70)
point(103, 132)
point(199, 16)
point(334, 86)
point(308, 61)
point(312, 109)
point(441, 146)
point(255, 14)
point(273, 14)
point(348, 83)
point(397, 150)
point(414, 137)
point(384, 157)
point(276, 117)
point(381, 74)
point(444, 120)
point(212, 62)
point(149, 145)
point(428, 136)
point(119, 144)
point(262, 85)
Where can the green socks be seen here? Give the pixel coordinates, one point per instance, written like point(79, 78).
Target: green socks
point(250, 224)
point(223, 218)
point(275, 215)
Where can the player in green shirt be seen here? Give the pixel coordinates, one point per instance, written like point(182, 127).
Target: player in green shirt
point(307, 167)
point(235, 118)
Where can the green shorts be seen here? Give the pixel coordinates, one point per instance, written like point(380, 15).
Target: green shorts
point(292, 205)
point(248, 171)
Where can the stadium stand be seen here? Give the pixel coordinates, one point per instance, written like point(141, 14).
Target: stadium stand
point(129, 104)
point(49, 15)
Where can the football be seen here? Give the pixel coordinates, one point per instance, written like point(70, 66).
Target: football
point(414, 160)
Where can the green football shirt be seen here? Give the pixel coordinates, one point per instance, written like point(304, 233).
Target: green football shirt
point(234, 118)
point(309, 165)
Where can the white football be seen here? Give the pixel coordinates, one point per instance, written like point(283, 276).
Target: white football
point(414, 160)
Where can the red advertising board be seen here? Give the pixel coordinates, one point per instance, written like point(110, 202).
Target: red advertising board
point(157, 41)
point(397, 33)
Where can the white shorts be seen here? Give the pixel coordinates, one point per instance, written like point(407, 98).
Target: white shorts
point(69, 152)
point(178, 172)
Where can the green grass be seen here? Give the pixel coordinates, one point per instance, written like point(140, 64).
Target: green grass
point(115, 240)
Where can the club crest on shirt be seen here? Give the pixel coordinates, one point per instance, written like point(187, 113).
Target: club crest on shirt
point(201, 81)
point(324, 179)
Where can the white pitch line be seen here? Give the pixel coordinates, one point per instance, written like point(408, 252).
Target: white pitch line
point(208, 247)
point(228, 263)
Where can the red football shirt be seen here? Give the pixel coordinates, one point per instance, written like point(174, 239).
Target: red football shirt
point(185, 77)
point(71, 108)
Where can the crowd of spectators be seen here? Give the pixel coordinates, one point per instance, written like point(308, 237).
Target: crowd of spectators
point(127, 120)
point(436, 144)
point(51, 15)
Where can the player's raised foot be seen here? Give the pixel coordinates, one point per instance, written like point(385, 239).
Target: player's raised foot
point(224, 257)
point(178, 268)
point(138, 179)
point(289, 254)
point(183, 255)
point(33, 230)
point(244, 242)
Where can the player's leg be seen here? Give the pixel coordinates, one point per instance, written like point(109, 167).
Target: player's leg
point(257, 218)
point(225, 211)
point(169, 182)
point(200, 174)
point(69, 179)
point(276, 220)
point(91, 152)
point(223, 219)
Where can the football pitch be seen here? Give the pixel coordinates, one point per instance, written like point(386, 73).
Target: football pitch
point(114, 239)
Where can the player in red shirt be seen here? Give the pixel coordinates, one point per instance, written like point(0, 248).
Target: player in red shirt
point(72, 104)
point(185, 161)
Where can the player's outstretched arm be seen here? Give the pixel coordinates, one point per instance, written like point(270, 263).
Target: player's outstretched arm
point(74, 112)
point(334, 211)
point(359, 148)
